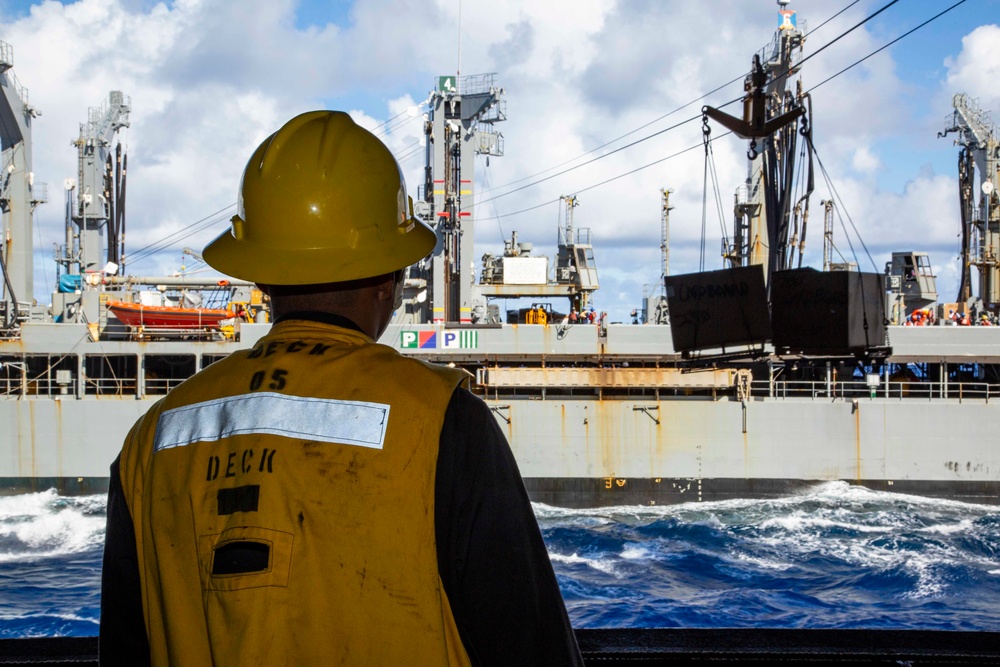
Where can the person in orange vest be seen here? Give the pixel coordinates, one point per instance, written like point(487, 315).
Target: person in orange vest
point(573, 316)
point(320, 498)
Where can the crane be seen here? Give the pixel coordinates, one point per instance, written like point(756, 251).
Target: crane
point(100, 194)
point(979, 198)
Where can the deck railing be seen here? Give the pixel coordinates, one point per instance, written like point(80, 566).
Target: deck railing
point(859, 389)
point(60, 386)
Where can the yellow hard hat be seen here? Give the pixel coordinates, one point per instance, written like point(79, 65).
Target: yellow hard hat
point(322, 200)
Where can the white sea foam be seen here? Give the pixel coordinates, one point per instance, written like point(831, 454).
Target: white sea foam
point(804, 522)
point(68, 616)
point(926, 566)
point(763, 563)
point(636, 552)
point(962, 526)
point(41, 525)
point(599, 564)
point(840, 496)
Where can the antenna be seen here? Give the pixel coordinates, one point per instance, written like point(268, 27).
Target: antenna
point(458, 67)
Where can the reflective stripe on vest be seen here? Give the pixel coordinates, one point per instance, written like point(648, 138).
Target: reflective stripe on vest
point(324, 420)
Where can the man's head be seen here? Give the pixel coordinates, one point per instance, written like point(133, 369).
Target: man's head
point(322, 210)
point(368, 302)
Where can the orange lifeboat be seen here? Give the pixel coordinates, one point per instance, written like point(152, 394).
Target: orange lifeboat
point(168, 317)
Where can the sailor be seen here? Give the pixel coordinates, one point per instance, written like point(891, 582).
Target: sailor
point(320, 498)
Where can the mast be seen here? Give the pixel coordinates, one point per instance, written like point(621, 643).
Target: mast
point(18, 195)
point(458, 127)
point(665, 234)
point(827, 233)
point(764, 227)
point(566, 233)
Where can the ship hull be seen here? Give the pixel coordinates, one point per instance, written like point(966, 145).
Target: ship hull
point(583, 453)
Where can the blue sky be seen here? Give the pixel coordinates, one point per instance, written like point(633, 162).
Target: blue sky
point(209, 79)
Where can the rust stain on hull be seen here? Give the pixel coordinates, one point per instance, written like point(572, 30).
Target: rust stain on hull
point(857, 442)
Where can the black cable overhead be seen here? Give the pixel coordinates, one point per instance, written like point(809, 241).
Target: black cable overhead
point(631, 132)
point(698, 99)
point(817, 28)
point(390, 128)
point(884, 47)
point(488, 187)
point(614, 178)
point(840, 206)
point(856, 63)
point(148, 250)
point(386, 122)
point(179, 235)
point(602, 156)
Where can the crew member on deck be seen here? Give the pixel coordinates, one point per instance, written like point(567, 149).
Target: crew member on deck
point(321, 499)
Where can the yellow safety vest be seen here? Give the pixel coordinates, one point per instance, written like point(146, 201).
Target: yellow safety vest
point(283, 504)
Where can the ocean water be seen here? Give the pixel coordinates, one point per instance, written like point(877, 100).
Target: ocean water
point(835, 556)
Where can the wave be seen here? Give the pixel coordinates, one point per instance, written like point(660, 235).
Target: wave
point(836, 494)
point(843, 555)
point(46, 525)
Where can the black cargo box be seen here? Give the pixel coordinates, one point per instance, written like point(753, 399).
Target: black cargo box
point(825, 313)
point(718, 309)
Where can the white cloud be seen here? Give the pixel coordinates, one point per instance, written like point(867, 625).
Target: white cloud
point(976, 69)
point(865, 161)
point(210, 79)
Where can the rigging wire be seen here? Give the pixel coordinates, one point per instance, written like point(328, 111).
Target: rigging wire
point(684, 106)
point(798, 213)
point(706, 138)
point(688, 120)
point(604, 155)
point(666, 115)
point(840, 206)
point(181, 234)
point(885, 46)
point(408, 157)
point(488, 187)
point(817, 28)
point(391, 128)
point(842, 35)
point(704, 203)
point(615, 178)
point(168, 242)
point(717, 190)
point(407, 148)
point(679, 124)
point(386, 122)
point(859, 61)
point(405, 154)
point(631, 132)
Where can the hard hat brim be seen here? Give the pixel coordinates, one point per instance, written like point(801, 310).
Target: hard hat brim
point(268, 265)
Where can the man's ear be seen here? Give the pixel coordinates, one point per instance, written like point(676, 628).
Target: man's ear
point(385, 290)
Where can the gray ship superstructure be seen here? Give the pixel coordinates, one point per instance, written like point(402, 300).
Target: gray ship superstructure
point(596, 413)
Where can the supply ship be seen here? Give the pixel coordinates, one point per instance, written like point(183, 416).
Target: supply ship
point(752, 381)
